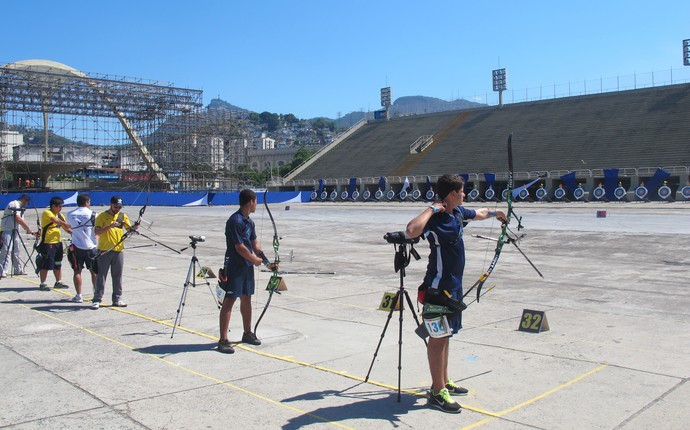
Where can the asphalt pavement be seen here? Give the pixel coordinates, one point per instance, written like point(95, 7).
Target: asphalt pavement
point(615, 295)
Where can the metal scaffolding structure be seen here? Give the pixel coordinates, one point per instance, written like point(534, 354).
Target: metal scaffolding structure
point(57, 123)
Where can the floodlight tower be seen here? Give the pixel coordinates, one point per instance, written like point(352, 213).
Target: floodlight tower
point(500, 84)
point(386, 101)
point(686, 52)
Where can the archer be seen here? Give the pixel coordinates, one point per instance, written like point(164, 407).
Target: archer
point(242, 254)
point(442, 225)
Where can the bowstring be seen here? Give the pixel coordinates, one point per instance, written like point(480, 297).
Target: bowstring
point(261, 233)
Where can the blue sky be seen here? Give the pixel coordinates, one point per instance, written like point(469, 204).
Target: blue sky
point(327, 58)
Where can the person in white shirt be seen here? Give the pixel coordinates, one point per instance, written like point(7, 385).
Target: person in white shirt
point(82, 252)
point(12, 219)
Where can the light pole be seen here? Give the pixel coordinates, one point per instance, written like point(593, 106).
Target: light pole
point(499, 78)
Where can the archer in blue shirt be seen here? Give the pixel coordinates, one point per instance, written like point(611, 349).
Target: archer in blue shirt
point(442, 225)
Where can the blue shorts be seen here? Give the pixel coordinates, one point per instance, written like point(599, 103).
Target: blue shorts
point(454, 321)
point(240, 281)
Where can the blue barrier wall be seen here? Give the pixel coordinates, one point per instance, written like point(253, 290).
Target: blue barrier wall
point(133, 198)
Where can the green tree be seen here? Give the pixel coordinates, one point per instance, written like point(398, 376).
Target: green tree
point(290, 119)
point(302, 155)
point(270, 120)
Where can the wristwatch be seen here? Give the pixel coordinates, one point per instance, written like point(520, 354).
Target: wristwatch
point(433, 208)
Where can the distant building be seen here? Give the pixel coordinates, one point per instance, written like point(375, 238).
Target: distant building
point(8, 141)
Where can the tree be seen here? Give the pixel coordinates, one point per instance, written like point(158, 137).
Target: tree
point(302, 155)
point(270, 120)
point(290, 119)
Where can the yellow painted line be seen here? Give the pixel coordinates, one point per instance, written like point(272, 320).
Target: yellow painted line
point(186, 369)
point(534, 399)
point(288, 359)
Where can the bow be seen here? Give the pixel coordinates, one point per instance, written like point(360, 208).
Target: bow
point(507, 235)
point(274, 282)
point(130, 230)
point(37, 241)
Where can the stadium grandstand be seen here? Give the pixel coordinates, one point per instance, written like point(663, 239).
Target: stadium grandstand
point(603, 146)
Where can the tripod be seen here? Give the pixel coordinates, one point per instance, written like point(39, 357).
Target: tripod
point(191, 280)
point(402, 259)
point(12, 247)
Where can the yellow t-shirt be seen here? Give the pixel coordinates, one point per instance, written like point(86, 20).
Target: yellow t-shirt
point(51, 230)
point(110, 237)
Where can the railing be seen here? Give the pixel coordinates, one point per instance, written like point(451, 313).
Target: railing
point(421, 143)
point(655, 78)
point(501, 176)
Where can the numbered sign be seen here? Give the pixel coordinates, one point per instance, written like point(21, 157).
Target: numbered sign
point(206, 272)
point(387, 302)
point(533, 321)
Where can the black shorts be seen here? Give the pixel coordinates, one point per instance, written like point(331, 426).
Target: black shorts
point(51, 256)
point(79, 258)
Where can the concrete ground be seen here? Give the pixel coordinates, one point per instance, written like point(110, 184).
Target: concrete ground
point(615, 293)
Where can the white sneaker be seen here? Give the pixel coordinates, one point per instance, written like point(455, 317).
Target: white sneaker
point(95, 305)
point(77, 299)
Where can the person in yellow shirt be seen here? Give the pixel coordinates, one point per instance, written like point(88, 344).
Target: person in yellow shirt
point(50, 249)
point(110, 227)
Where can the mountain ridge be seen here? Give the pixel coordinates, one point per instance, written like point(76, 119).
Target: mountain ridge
point(406, 105)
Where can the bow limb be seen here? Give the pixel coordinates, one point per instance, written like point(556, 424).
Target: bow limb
point(503, 238)
point(497, 253)
point(274, 282)
point(276, 238)
point(37, 240)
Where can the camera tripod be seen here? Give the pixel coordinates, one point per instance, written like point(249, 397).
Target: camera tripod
point(12, 247)
point(402, 259)
point(191, 280)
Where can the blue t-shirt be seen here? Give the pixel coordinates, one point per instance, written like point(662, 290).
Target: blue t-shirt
point(447, 256)
point(238, 229)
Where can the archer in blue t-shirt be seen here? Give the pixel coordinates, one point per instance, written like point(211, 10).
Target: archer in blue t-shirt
point(442, 225)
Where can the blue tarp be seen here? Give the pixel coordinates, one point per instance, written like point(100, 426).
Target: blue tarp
point(490, 180)
point(610, 182)
point(657, 180)
point(570, 182)
point(353, 186)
